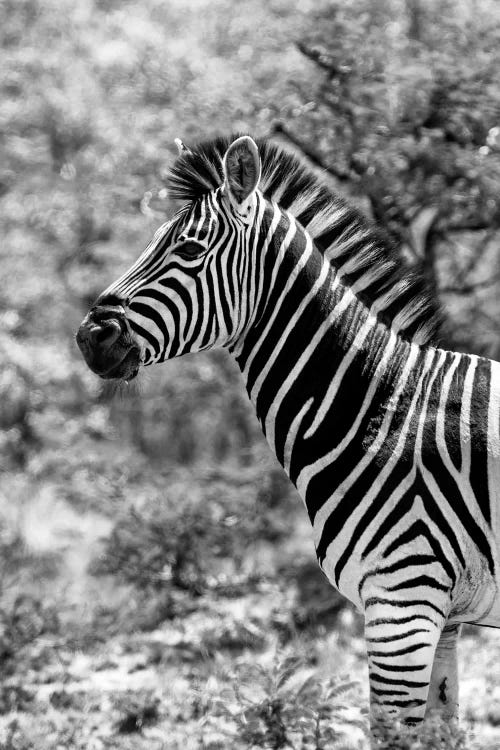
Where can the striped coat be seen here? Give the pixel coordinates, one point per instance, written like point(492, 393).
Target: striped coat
point(392, 442)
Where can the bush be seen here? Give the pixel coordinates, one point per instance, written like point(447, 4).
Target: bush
point(433, 734)
point(161, 546)
point(14, 697)
point(285, 707)
point(21, 623)
point(197, 537)
point(136, 710)
point(15, 410)
point(14, 738)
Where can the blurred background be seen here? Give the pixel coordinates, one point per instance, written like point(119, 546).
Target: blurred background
point(158, 584)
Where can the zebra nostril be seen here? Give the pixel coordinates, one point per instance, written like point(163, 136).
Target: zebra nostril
point(105, 334)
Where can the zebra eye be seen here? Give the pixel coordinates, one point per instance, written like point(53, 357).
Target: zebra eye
point(190, 249)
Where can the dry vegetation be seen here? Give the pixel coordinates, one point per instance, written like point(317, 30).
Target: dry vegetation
point(158, 587)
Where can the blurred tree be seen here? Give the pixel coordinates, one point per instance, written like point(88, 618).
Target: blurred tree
point(93, 94)
point(405, 98)
point(397, 99)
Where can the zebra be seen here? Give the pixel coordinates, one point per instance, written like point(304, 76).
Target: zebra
point(392, 442)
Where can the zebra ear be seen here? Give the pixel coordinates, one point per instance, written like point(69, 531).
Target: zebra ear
point(181, 147)
point(241, 169)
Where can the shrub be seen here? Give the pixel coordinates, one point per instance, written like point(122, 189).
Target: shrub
point(14, 738)
point(15, 697)
point(433, 734)
point(21, 623)
point(283, 707)
point(162, 546)
point(196, 538)
point(15, 410)
point(136, 710)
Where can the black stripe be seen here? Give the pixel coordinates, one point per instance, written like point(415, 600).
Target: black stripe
point(399, 637)
point(180, 290)
point(398, 652)
point(404, 704)
point(397, 620)
point(284, 360)
point(150, 314)
point(146, 335)
point(403, 506)
point(374, 677)
point(174, 311)
point(419, 528)
point(324, 483)
point(225, 283)
point(400, 668)
point(203, 312)
point(422, 580)
point(395, 478)
point(398, 565)
point(375, 691)
point(407, 603)
point(433, 462)
point(342, 412)
point(268, 303)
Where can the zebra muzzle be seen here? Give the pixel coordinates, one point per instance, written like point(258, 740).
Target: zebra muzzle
point(106, 344)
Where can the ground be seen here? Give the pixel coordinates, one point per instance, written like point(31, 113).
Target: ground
point(97, 676)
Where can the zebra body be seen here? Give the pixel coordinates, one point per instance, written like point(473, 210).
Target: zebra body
point(393, 443)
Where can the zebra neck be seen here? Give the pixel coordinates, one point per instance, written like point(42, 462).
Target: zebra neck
point(317, 365)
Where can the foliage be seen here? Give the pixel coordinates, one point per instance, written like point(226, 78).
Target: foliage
point(25, 620)
point(185, 540)
point(280, 708)
point(15, 738)
point(411, 127)
point(136, 710)
point(399, 101)
point(22, 624)
point(14, 698)
point(166, 545)
point(434, 734)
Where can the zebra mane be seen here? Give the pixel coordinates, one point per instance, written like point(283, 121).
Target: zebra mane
point(364, 258)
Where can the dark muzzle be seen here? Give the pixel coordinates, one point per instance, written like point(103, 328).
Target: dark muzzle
point(106, 343)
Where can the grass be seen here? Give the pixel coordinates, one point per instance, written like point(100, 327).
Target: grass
point(236, 665)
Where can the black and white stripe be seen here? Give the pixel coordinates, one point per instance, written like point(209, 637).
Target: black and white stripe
point(393, 443)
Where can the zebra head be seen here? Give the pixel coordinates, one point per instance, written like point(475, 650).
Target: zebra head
point(185, 293)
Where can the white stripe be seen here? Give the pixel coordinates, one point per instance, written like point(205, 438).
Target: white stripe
point(303, 360)
point(326, 510)
point(392, 407)
point(309, 471)
point(353, 351)
point(494, 448)
point(292, 434)
point(281, 252)
point(465, 418)
point(293, 321)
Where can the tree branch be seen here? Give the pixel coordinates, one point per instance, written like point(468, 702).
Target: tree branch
point(479, 253)
point(324, 61)
point(466, 226)
point(278, 128)
point(345, 176)
point(470, 288)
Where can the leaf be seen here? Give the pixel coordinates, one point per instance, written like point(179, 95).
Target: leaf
point(344, 687)
point(287, 670)
point(310, 685)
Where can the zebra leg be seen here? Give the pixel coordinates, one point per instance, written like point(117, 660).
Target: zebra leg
point(401, 641)
point(443, 691)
